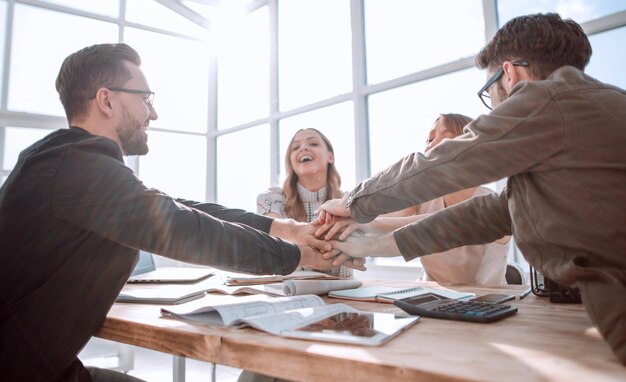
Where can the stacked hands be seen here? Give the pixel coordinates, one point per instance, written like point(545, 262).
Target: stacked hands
point(336, 226)
point(335, 239)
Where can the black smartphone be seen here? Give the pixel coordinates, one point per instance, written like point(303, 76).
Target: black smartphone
point(495, 298)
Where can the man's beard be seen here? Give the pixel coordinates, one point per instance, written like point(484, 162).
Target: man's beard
point(132, 137)
point(502, 96)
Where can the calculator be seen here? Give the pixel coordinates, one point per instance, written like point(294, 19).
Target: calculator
point(436, 306)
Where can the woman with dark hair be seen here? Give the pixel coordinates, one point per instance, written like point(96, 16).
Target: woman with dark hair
point(472, 264)
point(311, 180)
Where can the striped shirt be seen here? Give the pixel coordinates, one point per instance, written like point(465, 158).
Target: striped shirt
point(273, 201)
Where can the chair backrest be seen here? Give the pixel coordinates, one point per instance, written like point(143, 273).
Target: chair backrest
point(514, 274)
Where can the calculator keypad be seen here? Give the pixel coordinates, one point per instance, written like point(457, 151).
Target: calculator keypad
point(469, 308)
point(473, 311)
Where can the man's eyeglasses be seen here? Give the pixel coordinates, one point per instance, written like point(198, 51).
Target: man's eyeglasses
point(483, 94)
point(149, 99)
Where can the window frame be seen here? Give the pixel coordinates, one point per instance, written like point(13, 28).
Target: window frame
point(359, 94)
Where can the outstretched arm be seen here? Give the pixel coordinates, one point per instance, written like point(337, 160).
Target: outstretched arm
point(364, 246)
point(287, 229)
point(505, 142)
point(346, 226)
point(479, 220)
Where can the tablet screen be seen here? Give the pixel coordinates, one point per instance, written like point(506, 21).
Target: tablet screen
point(356, 324)
point(360, 328)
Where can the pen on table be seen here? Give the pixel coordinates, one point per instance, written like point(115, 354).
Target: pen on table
point(524, 293)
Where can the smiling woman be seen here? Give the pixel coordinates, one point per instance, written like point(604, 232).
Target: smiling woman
point(311, 180)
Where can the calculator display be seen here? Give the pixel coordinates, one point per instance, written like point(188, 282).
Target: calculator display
point(423, 299)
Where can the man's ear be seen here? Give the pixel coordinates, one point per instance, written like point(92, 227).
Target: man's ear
point(510, 77)
point(514, 74)
point(103, 101)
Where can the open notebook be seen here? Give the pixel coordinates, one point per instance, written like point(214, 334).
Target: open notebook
point(390, 294)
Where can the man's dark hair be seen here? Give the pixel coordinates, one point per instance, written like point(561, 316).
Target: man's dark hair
point(89, 69)
point(545, 41)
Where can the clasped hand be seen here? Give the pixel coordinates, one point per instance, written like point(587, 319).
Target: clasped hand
point(346, 238)
point(319, 253)
point(350, 240)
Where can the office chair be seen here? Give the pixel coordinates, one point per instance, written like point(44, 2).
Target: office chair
point(514, 274)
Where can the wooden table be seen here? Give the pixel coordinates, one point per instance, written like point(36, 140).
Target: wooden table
point(543, 342)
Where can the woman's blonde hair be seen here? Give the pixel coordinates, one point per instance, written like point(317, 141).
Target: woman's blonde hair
point(454, 123)
point(294, 207)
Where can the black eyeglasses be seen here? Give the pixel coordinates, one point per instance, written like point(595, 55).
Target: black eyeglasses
point(149, 99)
point(482, 93)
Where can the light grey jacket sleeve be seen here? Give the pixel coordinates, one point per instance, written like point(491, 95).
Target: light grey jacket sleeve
point(271, 201)
point(479, 220)
point(513, 138)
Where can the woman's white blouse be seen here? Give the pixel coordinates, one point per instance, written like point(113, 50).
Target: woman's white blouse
point(273, 201)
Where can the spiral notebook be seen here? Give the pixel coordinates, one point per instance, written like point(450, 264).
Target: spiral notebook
point(390, 294)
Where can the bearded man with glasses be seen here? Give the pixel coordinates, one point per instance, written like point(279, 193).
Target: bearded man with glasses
point(559, 136)
point(73, 217)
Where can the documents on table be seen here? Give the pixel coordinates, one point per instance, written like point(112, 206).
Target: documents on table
point(304, 317)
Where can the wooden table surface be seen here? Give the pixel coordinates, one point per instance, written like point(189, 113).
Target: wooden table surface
point(542, 342)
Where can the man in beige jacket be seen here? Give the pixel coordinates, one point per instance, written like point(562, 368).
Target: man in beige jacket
point(560, 138)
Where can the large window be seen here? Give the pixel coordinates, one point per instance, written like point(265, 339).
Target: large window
point(403, 37)
point(234, 80)
point(107, 8)
point(176, 164)
point(243, 168)
point(152, 13)
point(401, 118)
point(36, 57)
point(580, 11)
point(243, 74)
point(3, 21)
point(606, 61)
point(177, 71)
point(177, 68)
point(16, 140)
point(314, 49)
